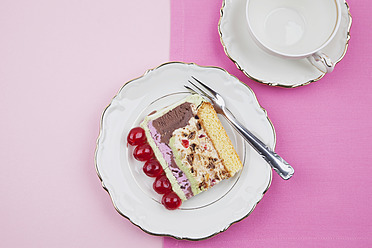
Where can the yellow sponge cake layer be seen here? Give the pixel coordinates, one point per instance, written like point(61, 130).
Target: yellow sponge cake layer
point(222, 143)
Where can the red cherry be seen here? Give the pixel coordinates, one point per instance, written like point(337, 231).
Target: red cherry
point(136, 136)
point(143, 152)
point(162, 185)
point(152, 168)
point(171, 201)
point(185, 143)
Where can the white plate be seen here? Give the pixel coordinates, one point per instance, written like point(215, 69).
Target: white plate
point(210, 212)
point(269, 69)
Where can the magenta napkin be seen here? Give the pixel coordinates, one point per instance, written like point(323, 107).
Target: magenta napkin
point(323, 129)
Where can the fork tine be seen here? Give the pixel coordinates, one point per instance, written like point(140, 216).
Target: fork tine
point(201, 92)
point(190, 89)
point(214, 93)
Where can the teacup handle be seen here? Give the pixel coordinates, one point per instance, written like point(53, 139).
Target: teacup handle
point(322, 62)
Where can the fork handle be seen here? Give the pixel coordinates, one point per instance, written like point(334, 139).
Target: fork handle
point(276, 162)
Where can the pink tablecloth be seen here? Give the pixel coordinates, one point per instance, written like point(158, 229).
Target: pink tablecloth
point(324, 130)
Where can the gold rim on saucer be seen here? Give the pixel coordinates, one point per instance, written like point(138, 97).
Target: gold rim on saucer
point(278, 84)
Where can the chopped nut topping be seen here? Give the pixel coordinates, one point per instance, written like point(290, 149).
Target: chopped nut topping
point(192, 146)
point(211, 166)
point(198, 125)
point(190, 158)
point(191, 135)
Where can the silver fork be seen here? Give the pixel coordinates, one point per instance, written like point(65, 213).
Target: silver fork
point(278, 164)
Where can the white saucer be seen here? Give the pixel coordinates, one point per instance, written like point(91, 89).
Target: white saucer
point(268, 69)
point(131, 191)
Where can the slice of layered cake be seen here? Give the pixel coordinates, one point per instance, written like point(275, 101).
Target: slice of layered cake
point(191, 145)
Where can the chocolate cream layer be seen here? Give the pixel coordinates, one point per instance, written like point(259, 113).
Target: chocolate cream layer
point(161, 130)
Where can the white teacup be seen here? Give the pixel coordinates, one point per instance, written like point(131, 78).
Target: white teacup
point(295, 28)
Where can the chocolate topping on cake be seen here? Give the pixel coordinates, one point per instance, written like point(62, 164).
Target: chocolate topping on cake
point(172, 120)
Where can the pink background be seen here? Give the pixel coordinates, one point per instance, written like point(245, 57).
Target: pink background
point(323, 130)
point(61, 62)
